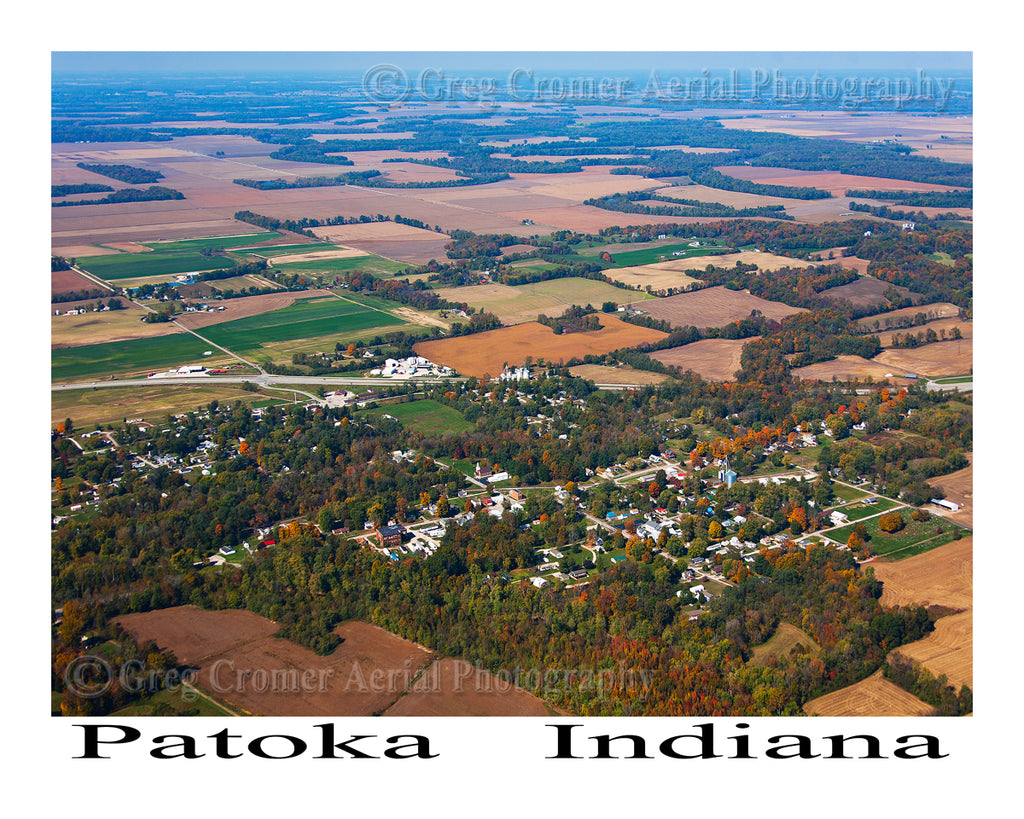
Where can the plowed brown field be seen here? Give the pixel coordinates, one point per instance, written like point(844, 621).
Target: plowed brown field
point(486, 353)
point(713, 307)
point(714, 359)
point(873, 697)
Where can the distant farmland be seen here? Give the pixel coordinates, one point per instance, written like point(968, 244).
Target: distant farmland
point(486, 353)
point(131, 357)
point(714, 307)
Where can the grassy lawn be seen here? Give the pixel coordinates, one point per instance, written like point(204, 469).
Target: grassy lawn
point(136, 356)
point(915, 537)
point(181, 702)
point(859, 511)
point(133, 265)
point(848, 493)
point(955, 379)
point(429, 417)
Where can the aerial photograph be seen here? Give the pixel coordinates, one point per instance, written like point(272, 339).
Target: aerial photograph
point(528, 384)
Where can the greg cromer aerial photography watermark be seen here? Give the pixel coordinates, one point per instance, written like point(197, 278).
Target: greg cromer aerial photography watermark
point(387, 83)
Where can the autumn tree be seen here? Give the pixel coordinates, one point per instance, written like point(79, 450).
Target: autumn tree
point(891, 522)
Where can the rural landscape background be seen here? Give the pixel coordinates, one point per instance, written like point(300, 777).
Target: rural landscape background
point(512, 390)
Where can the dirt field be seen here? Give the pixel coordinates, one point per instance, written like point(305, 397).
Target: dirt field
point(848, 262)
point(873, 697)
point(865, 292)
point(672, 272)
point(454, 688)
point(64, 281)
point(940, 310)
point(243, 665)
point(940, 577)
point(713, 307)
point(966, 329)
point(948, 650)
point(959, 488)
point(714, 359)
point(935, 360)
point(96, 328)
point(847, 368)
point(485, 353)
point(248, 306)
point(621, 374)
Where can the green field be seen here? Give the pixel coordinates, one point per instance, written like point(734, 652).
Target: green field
point(306, 318)
point(652, 255)
point(847, 493)
point(216, 242)
point(133, 265)
point(138, 355)
point(914, 538)
point(428, 417)
point(369, 263)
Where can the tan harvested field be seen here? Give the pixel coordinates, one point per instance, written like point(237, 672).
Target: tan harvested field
point(77, 251)
point(847, 368)
point(99, 327)
point(248, 306)
point(865, 292)
point(872, 697)
point(935, 360)
point(940, 577)
point(319, 255)
point(786, 639)
point(454, 688)
point(891, 318)
point(485, 353)
point(808, 210)
point(834, 182)
point(244, 666)
point(714, 307)
point(581, 291)
point(153, 402)
point(959, 488)
point(714, 359)
point(621, 374)
point(672, 272)
point(946, 137)
point(948, 650)
point(848, 262)
point(510, 249)
point(65, 281)
point(966, 329)
point(511, 304)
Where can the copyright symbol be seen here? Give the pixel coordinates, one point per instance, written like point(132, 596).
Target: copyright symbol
point(385, 82)
point(88, 676)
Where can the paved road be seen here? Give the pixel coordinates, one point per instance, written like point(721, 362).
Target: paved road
point(264, 380)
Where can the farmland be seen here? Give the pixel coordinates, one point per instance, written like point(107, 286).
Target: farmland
point(620, 374)
point(867, 291)
point(948, 650)
point(713, 307)
point(934, 360)
point(138, 265)
point(786, 640)
point(489, 351)
point(104, 326)
point(941, 577)
point(714, 359)
point(136, 357)
point(872, 697)
point(305, 319)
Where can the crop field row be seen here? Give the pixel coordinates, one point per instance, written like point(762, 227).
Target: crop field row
point(304, 319)
point(133, 265)
point(126, 357)
point(215, 242)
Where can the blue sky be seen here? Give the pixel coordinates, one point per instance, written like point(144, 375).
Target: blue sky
point(868, 61)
